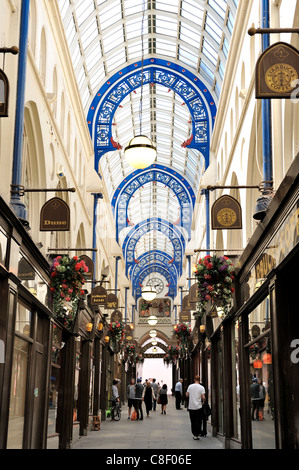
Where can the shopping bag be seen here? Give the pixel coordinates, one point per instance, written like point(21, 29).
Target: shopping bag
point(134, 415)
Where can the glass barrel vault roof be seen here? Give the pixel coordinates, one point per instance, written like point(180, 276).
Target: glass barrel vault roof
point(104, 36)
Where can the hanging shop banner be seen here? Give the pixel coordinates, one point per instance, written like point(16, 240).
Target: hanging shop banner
point(112, 301)
point(89, 264)
point(116, 316)
point(186, 303)
point(193, 294)
point(185, 316)
point(55, 216)
point(226, 214)
point(277, 72)
point(98, 296)
point(4, 92)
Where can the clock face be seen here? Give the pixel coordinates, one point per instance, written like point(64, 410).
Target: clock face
point(226, 217)
point(280, 77)
point(157, 283)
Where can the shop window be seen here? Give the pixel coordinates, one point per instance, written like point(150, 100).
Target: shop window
point(57, 345)
point(18, 394)
point(23, 319)
point(3, 247)
point(236, 381)
point(261, 377)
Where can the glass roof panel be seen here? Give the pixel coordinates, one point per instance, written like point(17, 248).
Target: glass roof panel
point(105, 36)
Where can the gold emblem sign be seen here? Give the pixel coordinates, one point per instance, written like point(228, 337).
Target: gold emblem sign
point(280, 77)
point(226, 214)
point(277, 71)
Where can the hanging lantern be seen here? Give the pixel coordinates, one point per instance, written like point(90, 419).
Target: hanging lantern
point(88, 327)
point(267, 358)
point(202, 328)
point(148, 293)
point(152, 320)
point(100, 326)
point(257, 364)
point(107, 339)
point(140, 153)
point(153, 333)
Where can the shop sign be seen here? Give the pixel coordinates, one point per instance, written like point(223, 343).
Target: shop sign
point(98, 296)
point(186, 303)
point(116, 316)
point(226, 214)
point(185, 316)
point(25, 271)
point(89, 263)
point(112, 301)
point(193, 294)
point(277, 71)
point(55, 216)
point(4, 93)
point(279, 246)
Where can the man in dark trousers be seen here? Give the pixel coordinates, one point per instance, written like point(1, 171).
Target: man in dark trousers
point(138, 399)
point(255, 398)
point(197, 396)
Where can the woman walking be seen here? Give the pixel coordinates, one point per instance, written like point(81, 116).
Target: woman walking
point(163, 399)
point(148, 397)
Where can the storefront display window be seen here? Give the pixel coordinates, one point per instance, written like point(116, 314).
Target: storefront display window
point(236, 381)
point(261, 378)
point(23, 319)
point(54, 379)
point(3, 247)
point(18, 394)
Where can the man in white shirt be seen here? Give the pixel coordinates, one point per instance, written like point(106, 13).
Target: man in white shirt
point(178, 394)
point(196, 395)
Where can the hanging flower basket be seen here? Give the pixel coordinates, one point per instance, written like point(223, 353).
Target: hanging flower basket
point(166, 359)
point(183, 334)
point(173, 352)
point(215, 277)
point(130, 353)
point(67, 280)
point(139, 358)
point(117, 331)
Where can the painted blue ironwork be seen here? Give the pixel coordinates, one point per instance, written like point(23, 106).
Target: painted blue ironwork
point(167, 176)
point(156, 268)
point(266, 105)
point(189, 87)
point(153, 259)
point(163, 226)
point(16, 205)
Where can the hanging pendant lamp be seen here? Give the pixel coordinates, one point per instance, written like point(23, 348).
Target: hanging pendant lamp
point(148, 293)
point(140, 152)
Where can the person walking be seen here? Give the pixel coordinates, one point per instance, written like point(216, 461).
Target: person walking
point(255, 398)
point(196, 395)
point(261, 402)
point(163, 398)
point(138, 399)
point(148, 397)
point(155, 389)
point(178, 390)
point(131, 390)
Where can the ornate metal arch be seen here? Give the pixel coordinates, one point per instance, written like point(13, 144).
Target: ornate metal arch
point(156, 173)
point(163, 226)
point(153, 256)
point(168, 273)
point(189, 87)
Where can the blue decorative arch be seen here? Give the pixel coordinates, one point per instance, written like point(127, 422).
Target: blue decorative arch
point(189, 87)
point(163, 226)
point(159, 173)
point(151, 258)
point(156, 268)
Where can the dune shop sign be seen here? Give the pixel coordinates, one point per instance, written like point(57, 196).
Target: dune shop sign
point(226, 214)
point(98, 296)
point(89, 263)
point(277, 71)
point(55, 216)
